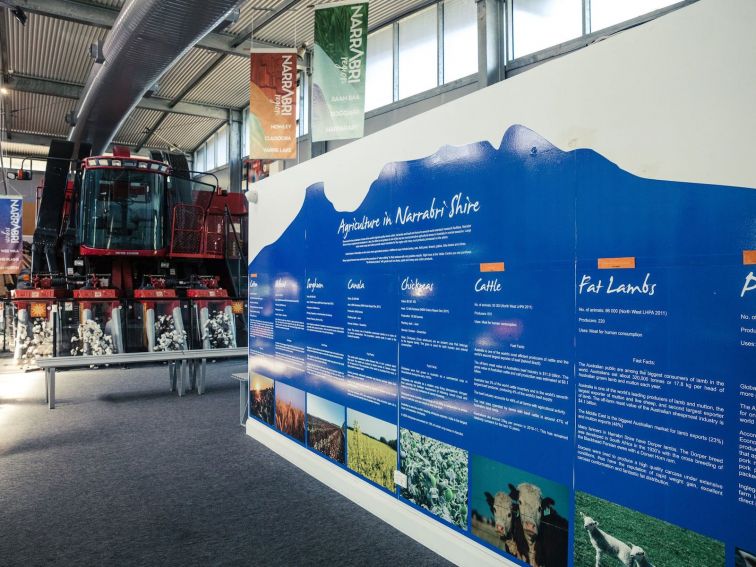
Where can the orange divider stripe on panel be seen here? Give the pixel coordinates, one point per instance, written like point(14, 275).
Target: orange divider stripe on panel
point(253, 276)
point(749, 257)
point(492, 267)
point(616, 263)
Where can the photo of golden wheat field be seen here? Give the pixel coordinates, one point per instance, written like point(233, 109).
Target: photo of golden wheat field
point(290, 411)
point(371, 448)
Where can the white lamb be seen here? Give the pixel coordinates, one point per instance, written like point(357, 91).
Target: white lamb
point(639, 556)
point(748, 558)
point(606, 544)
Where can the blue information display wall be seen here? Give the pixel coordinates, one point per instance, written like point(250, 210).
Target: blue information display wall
point(546, 353)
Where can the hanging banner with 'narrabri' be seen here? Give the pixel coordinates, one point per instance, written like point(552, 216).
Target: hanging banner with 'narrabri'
point(11, 241)
point(338, 90)
point(273, 104)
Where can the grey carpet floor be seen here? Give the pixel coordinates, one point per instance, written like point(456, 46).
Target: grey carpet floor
point(125, 473)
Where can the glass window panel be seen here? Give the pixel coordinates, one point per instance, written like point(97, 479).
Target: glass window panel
point(301, 121)
point(379, 81)
point(539, 24)
point(605, 13)
point(199, 159)
point(17, 163)
point(304, 105)
point(460, 39)
point(418, 53)
point(6, 162)
point(39, 165)
point(210, 154)
point(125, 210)
point(221, 147)
point(303, 102)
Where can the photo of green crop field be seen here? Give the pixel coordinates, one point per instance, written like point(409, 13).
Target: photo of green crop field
point(436, 476)
point(664, 544)
point(371, 448)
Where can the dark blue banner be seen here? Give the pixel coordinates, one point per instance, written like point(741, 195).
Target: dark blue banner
point(551, 353)
point(11, 235)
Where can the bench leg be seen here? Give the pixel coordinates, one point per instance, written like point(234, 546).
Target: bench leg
point(47, 385)
point(201, 377)
point(182, 377)
point(172, 375)
point(243, 398)
point(51, 389)
point(193, 375)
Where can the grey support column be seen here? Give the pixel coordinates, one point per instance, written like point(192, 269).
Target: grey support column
point(235, 133)
point(491, 41)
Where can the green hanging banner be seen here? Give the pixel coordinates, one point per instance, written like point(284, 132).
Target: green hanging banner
point(338, 77)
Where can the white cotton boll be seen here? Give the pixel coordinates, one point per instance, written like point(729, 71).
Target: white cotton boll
point(92, 340)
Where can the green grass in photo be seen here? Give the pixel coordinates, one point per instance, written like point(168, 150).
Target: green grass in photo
point(665, 544)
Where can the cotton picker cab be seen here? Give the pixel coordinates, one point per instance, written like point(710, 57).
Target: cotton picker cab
point(134, 255)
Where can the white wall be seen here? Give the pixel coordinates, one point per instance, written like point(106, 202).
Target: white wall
point(671, 99)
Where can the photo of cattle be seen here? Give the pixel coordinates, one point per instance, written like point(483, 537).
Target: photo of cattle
point(436, 476)
point(521, 514)
point(261, 398)
point(325, 427)
point(290, 411)
point(744, 558)
point(371, 448)
point(608, 534)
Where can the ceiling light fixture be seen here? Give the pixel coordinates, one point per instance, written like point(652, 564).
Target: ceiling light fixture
point(20, 15)
point(17, 12)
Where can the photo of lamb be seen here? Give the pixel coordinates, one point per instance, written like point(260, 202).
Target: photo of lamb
point(436, 476)
point(290, 411)
point(744, 558)
point(521, 514)
point(261, 398)
point(610, 535)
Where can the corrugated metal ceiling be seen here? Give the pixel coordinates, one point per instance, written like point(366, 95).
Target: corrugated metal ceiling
point(184, 71)
point(16, 149)
point(183, 132)
point(133, 130)
point(38, 114)
point(297, 26)
point(251, 10)
point(117, 4)
point(58, 50)
point(50, 48)
point(227, 85)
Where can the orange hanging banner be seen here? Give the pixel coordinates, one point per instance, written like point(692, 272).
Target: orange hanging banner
point(273, 104)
